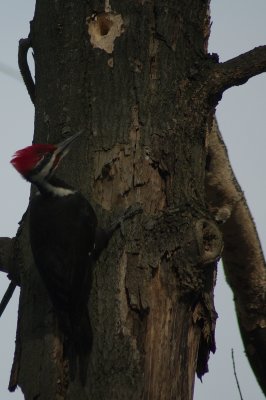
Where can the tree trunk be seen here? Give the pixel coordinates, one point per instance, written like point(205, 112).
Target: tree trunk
point(134, 76)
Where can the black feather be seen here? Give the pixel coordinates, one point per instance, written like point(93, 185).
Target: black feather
point(62, 235)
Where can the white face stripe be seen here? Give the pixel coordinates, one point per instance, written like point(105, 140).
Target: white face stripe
point(40, 178)
point(56, 190)
point(48, 167)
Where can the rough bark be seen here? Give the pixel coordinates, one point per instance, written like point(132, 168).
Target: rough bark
point(5, 253)
point(136, 77)
point(153, 284)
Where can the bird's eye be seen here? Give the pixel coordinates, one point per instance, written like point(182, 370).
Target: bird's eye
point(46, 156)
point(44, 159)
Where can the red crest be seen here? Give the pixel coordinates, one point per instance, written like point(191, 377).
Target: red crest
point(26, 159)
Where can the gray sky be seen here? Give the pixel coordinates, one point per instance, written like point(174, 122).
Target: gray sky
point(238, 26)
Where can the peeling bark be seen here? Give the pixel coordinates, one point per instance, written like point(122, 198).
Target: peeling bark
point(242, 256)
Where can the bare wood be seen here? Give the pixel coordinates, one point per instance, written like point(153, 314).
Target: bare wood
point(152, 292)
point(151, 302)
point(242, 256)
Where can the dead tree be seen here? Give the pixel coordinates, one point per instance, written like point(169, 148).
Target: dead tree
point(137, 78)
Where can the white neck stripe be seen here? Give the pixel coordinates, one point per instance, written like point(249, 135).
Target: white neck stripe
point(59, 191)
point(55, 190)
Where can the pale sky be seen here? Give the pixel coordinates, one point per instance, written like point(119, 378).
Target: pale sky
point(238, 26)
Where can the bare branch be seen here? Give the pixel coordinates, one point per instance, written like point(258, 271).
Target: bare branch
point(235, 374)
point(7, 296)
point(238, 70)
point(23, 48)
point(242, 256)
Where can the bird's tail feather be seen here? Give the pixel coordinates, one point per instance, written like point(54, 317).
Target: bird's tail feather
point(77, 344)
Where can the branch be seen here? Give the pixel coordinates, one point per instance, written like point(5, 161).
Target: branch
point(23, 48)
point(7, 296)
point(238, 70)
point(235, 374)
point(242, 256)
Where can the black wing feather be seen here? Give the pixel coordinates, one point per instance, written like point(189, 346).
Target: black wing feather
point(62, 235)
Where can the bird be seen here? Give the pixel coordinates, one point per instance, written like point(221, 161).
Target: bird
point(62, 229)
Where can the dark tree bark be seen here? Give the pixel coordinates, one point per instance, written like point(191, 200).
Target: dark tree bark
point(136, 77)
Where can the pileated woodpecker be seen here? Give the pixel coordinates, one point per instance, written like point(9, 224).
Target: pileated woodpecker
point(62, 235)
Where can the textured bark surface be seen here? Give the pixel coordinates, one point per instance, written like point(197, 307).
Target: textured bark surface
point(134, 76)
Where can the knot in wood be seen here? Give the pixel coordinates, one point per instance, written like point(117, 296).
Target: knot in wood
point(209, 240)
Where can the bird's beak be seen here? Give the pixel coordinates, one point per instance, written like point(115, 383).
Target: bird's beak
point(63, 148)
